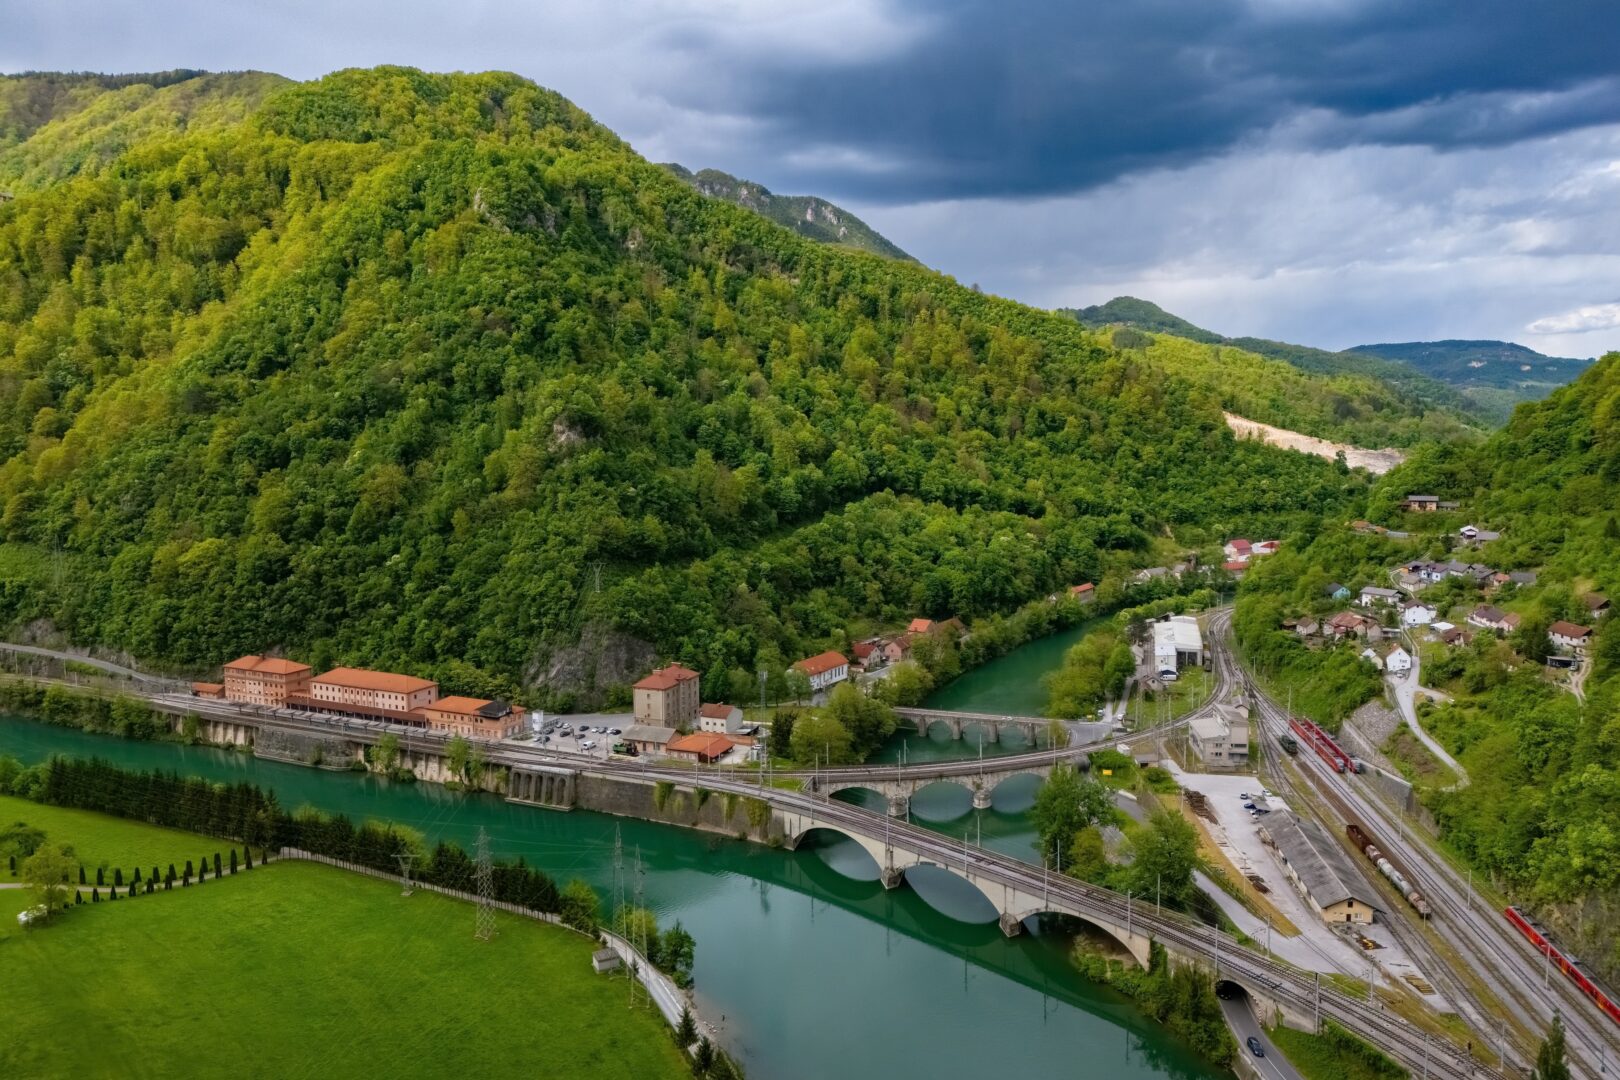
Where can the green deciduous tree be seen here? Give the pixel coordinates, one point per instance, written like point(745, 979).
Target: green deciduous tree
point(1550, 1063)
point(1066, 804)
point(580, 906)
point(49, 874)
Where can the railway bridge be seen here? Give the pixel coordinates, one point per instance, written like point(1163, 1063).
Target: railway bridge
point(987, 726)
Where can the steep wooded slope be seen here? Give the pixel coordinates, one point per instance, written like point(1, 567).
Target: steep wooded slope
point(433, 372)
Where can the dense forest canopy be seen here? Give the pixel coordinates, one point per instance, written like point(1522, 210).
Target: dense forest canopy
point(433, 371)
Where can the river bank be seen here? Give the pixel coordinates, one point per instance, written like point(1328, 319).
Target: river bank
point(795, 944)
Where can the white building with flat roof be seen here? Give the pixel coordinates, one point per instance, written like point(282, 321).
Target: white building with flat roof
point(1221, 737)
point(1177, 642)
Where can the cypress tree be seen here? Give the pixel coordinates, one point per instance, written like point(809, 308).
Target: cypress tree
point(100, 879)
point(137, 877)
point(118, 876)
point(169, 884)
point(95, 896)
point(11, 860)
point(247, 858)
point(132, 889)
point(172, 874)
point(189, 870)
point(81, 874)
point(150, 883)
point(78, 897)
point(233, 860)
point(155, 875)
point(686, 1033)
point(216, 864)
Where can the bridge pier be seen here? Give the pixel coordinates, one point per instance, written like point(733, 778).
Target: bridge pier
point(981, 797)
point(956, 730)
point(1011, 924)
point(899, 805)
point(990, 731)
point(892, 878)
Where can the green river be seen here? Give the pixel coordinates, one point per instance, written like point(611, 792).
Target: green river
point(807, 965)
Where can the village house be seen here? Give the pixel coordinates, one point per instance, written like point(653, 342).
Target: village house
point(720, 719)
point(824, 669)
point(669, 697)
point(1397, 661)
point(1265, 547)
point(264, 680)
point(702, 747)
point(1422, 504)
point(1376, 595)
point(648, 738)
point(1237, 550)
point(208, 690)
point(1487, 617)
point(1349, 624)
point(1235, 568)
point(1570, 637)
point(1085, 592)
point(1307, 627)
point(920, 626)
point(1451, 635)
point(375, 695)
point(1417, 613)
point(1142, 577)
point(1473, 534)
point(1370, 655)
point(897, 649)
point(1597, 605)
point(1335, 591)
point(473, 717)
point(868, 654)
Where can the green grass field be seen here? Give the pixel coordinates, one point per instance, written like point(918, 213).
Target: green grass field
point(101, 840)
point(300, 970)
point(1319, 1058)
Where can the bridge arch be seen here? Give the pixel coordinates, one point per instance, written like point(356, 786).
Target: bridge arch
point(853, 859)
point(1138, 946)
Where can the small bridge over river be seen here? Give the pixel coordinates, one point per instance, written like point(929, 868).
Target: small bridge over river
point(986, 726)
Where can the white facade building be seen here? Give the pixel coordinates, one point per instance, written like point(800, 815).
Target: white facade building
point(1177, 641)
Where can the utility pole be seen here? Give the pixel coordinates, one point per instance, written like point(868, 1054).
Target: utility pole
point(405, 871)
point(640, 944)
point(484, 875)
point(1318, 998)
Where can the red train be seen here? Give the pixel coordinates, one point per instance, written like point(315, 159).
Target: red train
point(1320, 741)
point(1575, 975)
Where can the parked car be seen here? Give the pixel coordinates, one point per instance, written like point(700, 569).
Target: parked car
point(1255, 1048)
point(587, 745)
point(614, 731)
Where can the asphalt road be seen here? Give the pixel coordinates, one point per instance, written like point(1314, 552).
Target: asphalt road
point(1240, 1017)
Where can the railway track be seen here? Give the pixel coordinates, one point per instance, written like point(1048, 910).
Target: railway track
point(1480, 937)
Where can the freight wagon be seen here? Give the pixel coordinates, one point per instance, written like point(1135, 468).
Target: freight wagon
point(1364, 844)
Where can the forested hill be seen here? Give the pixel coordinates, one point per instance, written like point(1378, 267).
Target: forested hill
point(1497, 374)
point(1418, 391)
point(806, 215)
point(55, 125)
point(433, 372)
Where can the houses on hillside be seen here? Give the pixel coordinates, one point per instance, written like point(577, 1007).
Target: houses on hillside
point(668, 697)
point(1427, 504)
point(1376, 596)
point(1239, 550)
point(1418, 613)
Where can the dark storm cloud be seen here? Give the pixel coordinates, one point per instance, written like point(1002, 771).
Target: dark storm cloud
point(991, 99)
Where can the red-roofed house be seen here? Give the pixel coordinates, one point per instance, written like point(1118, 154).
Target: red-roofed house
point(897, 649)
point(668, 697)
point(1086, 593)
point(475, 717)
point(208, 689)
point(1235, 567)
point(824, 669)
point(920, 626)
point(1238, 550)
point(702, 747)
point(720, 719)
point(264, 680)
point(867, 653)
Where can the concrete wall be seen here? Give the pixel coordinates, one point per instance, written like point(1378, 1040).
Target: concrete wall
point(633, 797)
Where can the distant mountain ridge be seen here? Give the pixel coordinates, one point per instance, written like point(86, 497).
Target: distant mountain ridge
point(807, 215)
point(1485, 379)
point(1498, 373)
point(1403, 378)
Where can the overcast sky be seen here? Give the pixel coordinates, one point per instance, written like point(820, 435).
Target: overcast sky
point(1330, 172)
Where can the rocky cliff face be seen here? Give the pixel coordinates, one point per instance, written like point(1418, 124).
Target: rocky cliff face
point(586, 675)
point(806, 215)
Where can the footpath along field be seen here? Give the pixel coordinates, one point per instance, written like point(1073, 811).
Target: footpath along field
point(300, 970)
